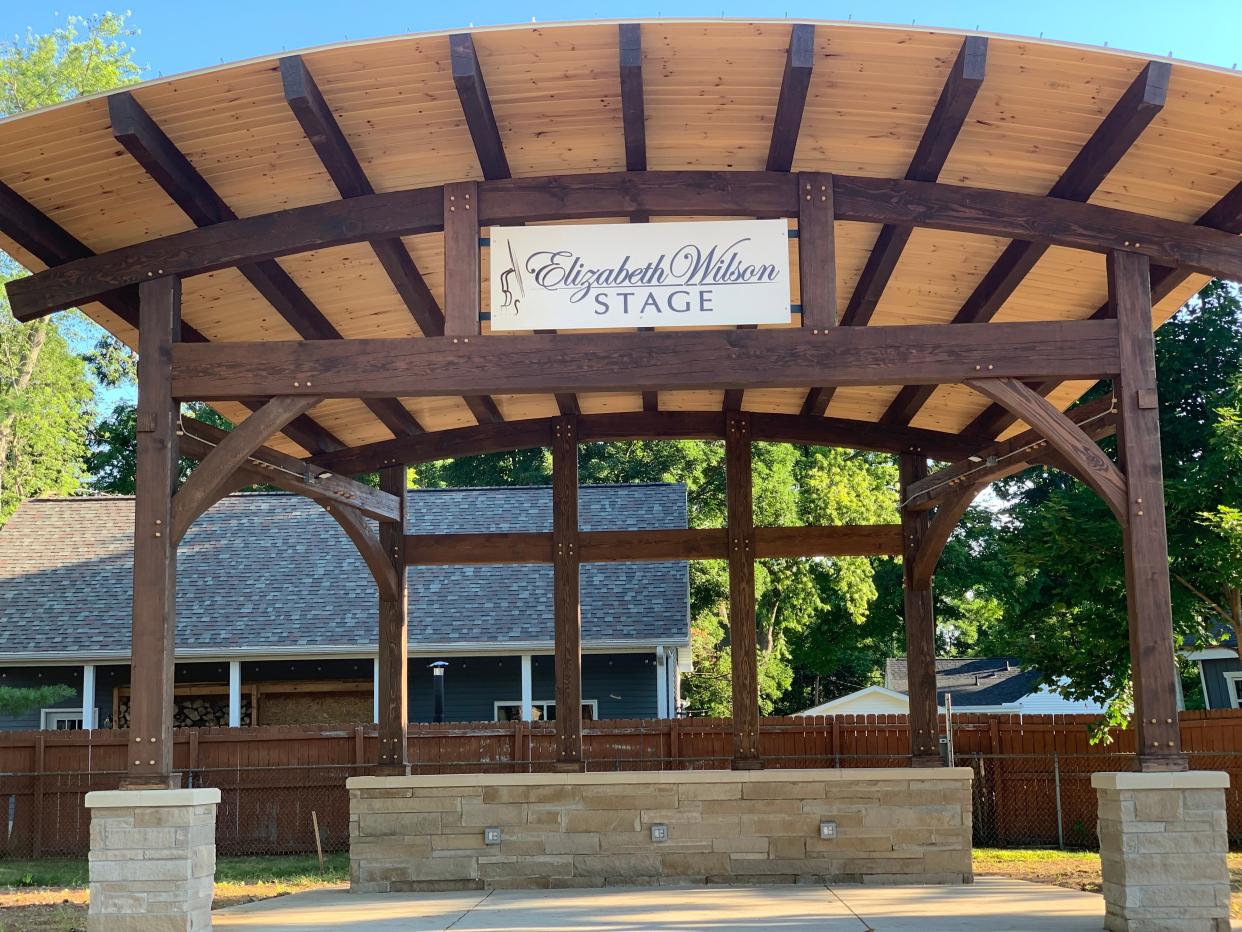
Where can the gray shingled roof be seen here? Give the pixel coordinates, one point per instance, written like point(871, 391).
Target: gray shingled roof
point(276, 571)
point(973, 681)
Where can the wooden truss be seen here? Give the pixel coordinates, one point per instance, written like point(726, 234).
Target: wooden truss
point(1012, 364)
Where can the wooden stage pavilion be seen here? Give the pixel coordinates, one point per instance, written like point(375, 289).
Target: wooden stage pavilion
point(980, 229)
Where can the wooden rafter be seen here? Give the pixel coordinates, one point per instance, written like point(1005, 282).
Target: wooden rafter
point(143, 139)
point(265, 466)
point(1225, 215)
point(314, 115)
point(52, 245)
point(799, 62)
point(1066, 437)
point(1112, 139)
point(477, 107)
point(1195, 248)
point(633, 113)
point(502, 364)
point(210, 481)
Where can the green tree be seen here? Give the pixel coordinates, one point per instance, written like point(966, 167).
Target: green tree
point(15, 700)
point(111, 460)
point(45, 391)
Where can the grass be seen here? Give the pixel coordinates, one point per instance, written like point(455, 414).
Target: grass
point(50, 895)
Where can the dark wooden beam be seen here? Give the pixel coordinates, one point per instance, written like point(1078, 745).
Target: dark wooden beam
point(500, 364)
point(1004, 457)
point(646, 546)
point(669, 425)
point(946, 121)
point(651, 401)
point(567, 403)
point(1066, 437)
point(743, 648)
point(266, 466)
point(1118, 131)
point(210, 479)
point(633, 114)
point(920, 627)
point(148, 759)
point(477, 107)
point(732, 399)
point(393, 657)
point(1225, 215)
point(799, 62)
point(314, 115)
point(566, 604)
point(134, 129)
point(1148, 599)
point(817, 252)
point(622, 194)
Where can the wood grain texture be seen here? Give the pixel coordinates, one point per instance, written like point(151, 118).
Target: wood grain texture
point(799, 63)
point(817, 251)
point(566, 603)
point(1066, 437)
point(477, 106)
point(149, 760)
point(1046, 220)
point(633, 114)
point(668, 425)
point(210, 480)
point(632, 362)
point(1144, 537)
point(266, 466)
point(393, 656)
point(743, 647)
point(920, 627)
point(1096, 418)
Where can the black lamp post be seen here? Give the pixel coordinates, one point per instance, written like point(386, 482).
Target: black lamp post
point(437, 690)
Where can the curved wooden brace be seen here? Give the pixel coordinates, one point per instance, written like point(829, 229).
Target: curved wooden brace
point(1066, 437)
point(210, 481)
point(1036, 219)
point(939, 530)
point(368, 543)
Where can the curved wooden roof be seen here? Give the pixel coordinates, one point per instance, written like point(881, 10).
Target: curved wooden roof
point(1037, 117)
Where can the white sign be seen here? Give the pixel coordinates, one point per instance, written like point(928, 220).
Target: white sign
point(640, 275)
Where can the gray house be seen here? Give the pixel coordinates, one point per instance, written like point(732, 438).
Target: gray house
point(276, 618)
point(1220, 671)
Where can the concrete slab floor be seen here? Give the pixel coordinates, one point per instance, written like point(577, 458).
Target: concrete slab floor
point(992, 904)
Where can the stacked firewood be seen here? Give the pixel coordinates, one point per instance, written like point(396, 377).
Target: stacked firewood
point(196, 712)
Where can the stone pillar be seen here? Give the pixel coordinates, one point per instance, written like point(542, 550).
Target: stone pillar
point(153, 859)
point(1163, 840)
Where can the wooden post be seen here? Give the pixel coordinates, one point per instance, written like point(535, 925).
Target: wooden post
point(565, 566)
point(742, 640)
point(920, 628)
point(1146, 547)
point(461, 259)
point(393, 664)
point(149, 758)
point(817, 252)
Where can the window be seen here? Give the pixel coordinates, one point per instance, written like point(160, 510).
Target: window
point(62, 719)
point(542, 710)
point(1233, 682)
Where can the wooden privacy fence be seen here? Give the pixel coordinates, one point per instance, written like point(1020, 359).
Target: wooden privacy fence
point(1032, 773)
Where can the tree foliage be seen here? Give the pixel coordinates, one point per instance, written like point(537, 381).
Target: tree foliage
point(46, 396)
point(17, 700)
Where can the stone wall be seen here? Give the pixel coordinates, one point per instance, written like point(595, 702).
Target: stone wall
point(152, 859)
point(1163, 845)
point(594, 829)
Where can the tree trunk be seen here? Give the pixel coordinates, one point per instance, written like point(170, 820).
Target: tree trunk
point(8, 426)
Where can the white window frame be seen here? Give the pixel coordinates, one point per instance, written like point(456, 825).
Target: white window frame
point(1231, 681)
point(49, 717)
point(540, 703)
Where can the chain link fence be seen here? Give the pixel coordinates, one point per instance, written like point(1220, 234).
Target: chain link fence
point(1020, 801)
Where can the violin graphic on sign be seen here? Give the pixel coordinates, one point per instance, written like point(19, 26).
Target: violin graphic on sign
point(512, 275)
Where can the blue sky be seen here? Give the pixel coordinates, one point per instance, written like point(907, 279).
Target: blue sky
point(187, 34)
